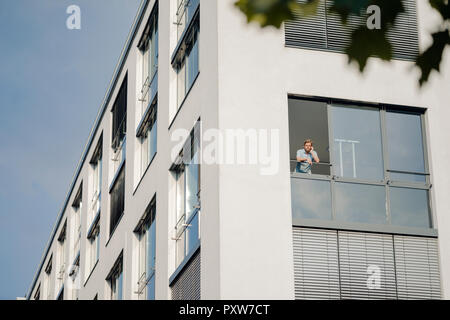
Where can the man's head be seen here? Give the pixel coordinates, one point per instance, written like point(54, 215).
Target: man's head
point(307, 145)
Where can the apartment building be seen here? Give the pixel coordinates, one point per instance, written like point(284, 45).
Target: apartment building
point(147, 217)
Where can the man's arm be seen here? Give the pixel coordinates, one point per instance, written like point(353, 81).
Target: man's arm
point(315, 156)
point(300, 159)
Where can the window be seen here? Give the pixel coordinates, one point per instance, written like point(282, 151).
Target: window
point(61, 294)
point(187, 177)
point(186, 10)
point(313, 126)
point(357, 142)
point(373, 167)
point(48, 278)
point(325, 31)
point(147, 127)
point(405, 145)
point(147, 135)
point(74, 275)
point(117, 200)
point(146, 232)
point(37, 293)
point(76, 230)
point(62, 255)
point(185, 59)
point(96, 165)
point(115, 280)
point(119, 126)
point(148, 47)
point(188, 68)
point(93, 243)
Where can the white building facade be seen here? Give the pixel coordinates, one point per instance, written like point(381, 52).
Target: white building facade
point(159, 210)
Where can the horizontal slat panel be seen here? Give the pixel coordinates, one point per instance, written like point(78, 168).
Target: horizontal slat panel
point(417, 266)
point(326, 31)
point(330, 264)
point(358, 252)
point(307, 32)
point(316, 271)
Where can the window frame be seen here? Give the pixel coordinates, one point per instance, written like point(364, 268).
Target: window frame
point(115, 279)
point(182, 220)
point(93, 238)
point(386, 182)
point(97, 179)
point(180, 58)
point(142, 231)
point(149, 74)
point(119, 179)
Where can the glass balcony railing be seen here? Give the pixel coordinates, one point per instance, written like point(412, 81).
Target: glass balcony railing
point(326, 198)
point(322, 168)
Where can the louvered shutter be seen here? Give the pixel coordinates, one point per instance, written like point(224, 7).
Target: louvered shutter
point(338, 34)
point(316, 271)
point(326, 31)
point(187, 285)
point(357, 253)
point(404, 36)
point(417, 266)
point(307, 32)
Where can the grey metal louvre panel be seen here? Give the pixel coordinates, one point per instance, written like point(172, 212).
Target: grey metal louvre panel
point(338, 34)
point(417, 266)
point(359, 251)
point(326, 31)
point(307, 32)
point(187, 286)
point(316, 271)
point(404, 35)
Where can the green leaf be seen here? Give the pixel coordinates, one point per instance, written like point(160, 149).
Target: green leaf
point(366, 43)
point(346, 7)
point(390, 9)
point(267, 12)
point(430, 59)
point(307, 9)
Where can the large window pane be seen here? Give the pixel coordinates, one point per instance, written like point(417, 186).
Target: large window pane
point(357, 143)
point(405, 145)
point(151, 248)
point(360, 203)
point(180, 195)
point(309, 120)
point(311, 199)
point(152, 141)
point(192, 63)
point(192, 233)
point(151, 289)
point(192, 185)
point(409, 207)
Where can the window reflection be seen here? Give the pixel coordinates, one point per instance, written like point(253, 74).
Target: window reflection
point(405, 145)
point(360, 203)
point(311, 199)
point(409, 207)
point(357, 143)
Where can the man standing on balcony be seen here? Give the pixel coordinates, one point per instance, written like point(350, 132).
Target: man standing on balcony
point(305, 157)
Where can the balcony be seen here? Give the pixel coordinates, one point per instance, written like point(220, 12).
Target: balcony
point(339, 203)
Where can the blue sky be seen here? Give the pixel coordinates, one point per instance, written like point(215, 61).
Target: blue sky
point(52, 82)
